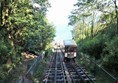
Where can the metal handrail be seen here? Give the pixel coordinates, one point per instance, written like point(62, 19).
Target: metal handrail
point(22, 78)
point(116, 79)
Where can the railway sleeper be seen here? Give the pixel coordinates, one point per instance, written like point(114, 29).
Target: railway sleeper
point(59, 81)
point(76, 80)
point(51, 78)
point(51, 74)
point(92, 77)
point(75, 76)
point(87, 80)
point(60, 73)
point(84, 74)
point(81, 72)
point(50, 81)
point(59, 70)
point(50, 71)
point(73, 73)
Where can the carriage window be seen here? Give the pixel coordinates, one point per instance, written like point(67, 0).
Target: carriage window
point(70, 49)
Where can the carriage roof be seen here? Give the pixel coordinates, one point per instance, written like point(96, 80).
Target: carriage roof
point(70, 43)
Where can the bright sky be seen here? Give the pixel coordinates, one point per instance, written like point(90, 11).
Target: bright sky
point(58, 15)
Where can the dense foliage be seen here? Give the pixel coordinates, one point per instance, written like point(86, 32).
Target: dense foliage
point(23, 27)
point(95, 30)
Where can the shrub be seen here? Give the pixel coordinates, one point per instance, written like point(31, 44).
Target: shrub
point(6, 51)
point(110, 59)
point(92, 46)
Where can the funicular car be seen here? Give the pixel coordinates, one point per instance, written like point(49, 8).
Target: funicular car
point(70, 50)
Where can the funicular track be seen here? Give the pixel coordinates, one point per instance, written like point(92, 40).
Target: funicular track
point(78, 74)
point(65, 72)
point(55, 72)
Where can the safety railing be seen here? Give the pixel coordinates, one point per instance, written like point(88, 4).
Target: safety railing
point(102, 76)
point(27, 78)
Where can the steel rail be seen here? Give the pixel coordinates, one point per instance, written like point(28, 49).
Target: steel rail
point(49, 70)
point(71, 72)
point(55, 76)
point(90, 80)
point(65, 72)
point(61, 60)
point(83, 80)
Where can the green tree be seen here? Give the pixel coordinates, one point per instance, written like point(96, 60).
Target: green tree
point(25, 25)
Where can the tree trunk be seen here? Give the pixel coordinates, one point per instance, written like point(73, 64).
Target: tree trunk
point(92, 28)
point(6, 26)
point(6, 14)
point(116, 10)
point(92, 24)
point(1, 10)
